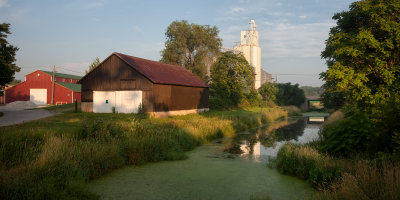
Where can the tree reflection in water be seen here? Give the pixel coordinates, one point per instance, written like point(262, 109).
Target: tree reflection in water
point(267, 136)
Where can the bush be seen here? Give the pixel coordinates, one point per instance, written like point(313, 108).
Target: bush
point(355, 133)
point(306, 163)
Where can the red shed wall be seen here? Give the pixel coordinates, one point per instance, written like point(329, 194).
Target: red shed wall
point(40, 80)
point(66, 80)
point(18, 92)
point(62, 95)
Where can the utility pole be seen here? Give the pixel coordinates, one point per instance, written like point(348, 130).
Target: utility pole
point(54, 82)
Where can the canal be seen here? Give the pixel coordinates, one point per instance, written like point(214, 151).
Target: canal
point(230, 168)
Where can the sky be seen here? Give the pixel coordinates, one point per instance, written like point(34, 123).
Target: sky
point(71, 34)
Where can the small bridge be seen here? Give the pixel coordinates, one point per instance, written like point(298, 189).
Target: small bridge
point(313, 103)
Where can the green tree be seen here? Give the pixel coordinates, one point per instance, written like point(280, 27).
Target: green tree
point(310, 91)
point(7, 56)
point(289, 94)
point(363, 58)
point(93, 65)
point(268, 91)
point(191, 45)
point(231, 79)
point(363, 53)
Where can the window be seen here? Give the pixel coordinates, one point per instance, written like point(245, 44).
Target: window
point(128, 84)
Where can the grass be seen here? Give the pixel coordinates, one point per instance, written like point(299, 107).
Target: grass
point(53, 157)
point(336, 178)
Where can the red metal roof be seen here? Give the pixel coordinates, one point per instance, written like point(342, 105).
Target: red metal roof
point(163, 73)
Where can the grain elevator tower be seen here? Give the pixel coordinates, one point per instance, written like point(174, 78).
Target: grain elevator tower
point(251, 50)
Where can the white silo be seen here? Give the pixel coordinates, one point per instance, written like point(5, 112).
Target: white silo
point(251, 50)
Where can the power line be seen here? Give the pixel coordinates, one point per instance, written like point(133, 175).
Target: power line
point(70, 70)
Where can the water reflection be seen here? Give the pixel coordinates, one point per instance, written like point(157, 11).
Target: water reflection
point(265, 142)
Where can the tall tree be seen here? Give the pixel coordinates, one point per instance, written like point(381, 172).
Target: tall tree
point(93, 65)
point(231, 78)
point(191, 45)
point(363, 53)
point(363, 58)
point(7, 56)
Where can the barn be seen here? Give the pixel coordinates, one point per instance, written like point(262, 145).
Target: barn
point(123, 83)
point(38, 88)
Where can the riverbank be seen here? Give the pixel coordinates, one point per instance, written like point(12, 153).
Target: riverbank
point(355, 176)
point(53, 157)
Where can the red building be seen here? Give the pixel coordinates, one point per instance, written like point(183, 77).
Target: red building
point(38, 88)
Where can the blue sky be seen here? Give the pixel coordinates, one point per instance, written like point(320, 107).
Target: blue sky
point(70, 34)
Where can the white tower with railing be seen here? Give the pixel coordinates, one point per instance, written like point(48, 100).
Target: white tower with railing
point(251, 50)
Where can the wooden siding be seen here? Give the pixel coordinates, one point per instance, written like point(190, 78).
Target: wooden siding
point(114, 74)
point(172, 97)
point(108, 76)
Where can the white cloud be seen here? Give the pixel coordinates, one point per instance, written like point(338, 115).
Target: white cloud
point(294, 40)
point(236, 10)
point(278, 4)
point(3, 3)
point(95, 4)
point(137, 29)
point(302, 16)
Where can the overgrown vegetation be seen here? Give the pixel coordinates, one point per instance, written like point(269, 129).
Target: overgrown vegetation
point(52, 158)
point(358, 155)
point(337, 178)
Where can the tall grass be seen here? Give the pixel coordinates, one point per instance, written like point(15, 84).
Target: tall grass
point(367, 180)
point(52, 158)
point(307, 163)
point(337, 178)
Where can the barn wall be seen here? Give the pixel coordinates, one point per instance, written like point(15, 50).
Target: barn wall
point(18, 92)
point(66, 80)
point(112, 75)
point(62, 95)
point(38, 80)
point(172, 97)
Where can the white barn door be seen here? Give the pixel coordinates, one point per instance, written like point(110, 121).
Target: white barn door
point(128, 101)
point(103, 101)
point(38, 96)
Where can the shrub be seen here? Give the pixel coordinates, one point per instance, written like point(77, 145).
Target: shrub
point(355, 133)
point(306, 163)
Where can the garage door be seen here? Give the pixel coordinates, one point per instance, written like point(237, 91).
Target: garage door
point(122, 101)
point(103, 101)
point(38, 96)
point(128, 101)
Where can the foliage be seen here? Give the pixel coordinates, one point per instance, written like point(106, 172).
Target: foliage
point(366, 180)
point(289, 94)
point(93, 65)
point(268, 91)
point(231, 79)
point(52, 158)
point(363, 53)
point(307, 163)
point(310, 91)
point(191, 45)
point(333, 100)
point(7, 56)
point(352, 178)
point(355, 133)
